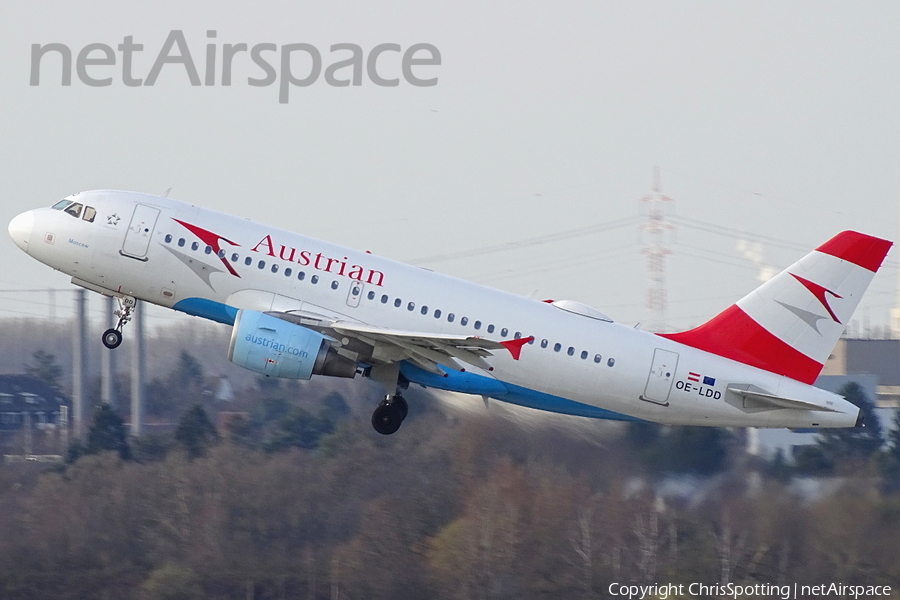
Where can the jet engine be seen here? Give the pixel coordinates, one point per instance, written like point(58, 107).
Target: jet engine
point(277, 348)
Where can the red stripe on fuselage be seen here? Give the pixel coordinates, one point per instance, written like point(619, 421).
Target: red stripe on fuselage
point(864, 250)
point(733, 334)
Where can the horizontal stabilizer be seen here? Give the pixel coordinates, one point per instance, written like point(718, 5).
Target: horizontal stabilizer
point(778, 401)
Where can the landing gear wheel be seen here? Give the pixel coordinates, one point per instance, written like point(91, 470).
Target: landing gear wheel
point(112, 338)
point(387, 418)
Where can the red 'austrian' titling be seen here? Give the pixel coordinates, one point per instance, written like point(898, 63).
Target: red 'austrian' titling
point(319, 262)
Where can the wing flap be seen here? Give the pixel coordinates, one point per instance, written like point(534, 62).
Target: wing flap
point(417, 337)
point(431, 351)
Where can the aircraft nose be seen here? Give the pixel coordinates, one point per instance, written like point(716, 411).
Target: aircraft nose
point(20, 229)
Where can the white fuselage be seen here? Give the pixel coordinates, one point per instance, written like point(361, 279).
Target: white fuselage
point(155, 256)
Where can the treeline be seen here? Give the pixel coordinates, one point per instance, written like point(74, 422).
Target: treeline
point(295, 496)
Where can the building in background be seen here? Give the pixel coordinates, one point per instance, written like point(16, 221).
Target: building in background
point(33, 417)
point(877, 357)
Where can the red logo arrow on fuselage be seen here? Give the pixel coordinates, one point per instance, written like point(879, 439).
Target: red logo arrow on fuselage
point(212, 240)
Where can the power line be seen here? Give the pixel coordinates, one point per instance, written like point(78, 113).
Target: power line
point(731, 232)
point(529, 242)
point(555, 266)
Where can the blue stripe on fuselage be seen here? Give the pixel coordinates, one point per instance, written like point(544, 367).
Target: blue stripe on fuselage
point(208, 309)
point(455, 381)
point(470, 383)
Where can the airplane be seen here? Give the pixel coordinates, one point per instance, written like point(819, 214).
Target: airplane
point(300, 307)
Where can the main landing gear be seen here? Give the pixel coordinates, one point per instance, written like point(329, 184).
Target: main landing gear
point(112, 338)
point(389, 415)
point(391, 412)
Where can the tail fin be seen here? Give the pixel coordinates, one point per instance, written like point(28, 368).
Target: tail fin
point(790, 324)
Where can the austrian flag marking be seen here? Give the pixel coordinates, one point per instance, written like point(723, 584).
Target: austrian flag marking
point(698, 378)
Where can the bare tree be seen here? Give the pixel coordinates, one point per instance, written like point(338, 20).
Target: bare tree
point(582, 541)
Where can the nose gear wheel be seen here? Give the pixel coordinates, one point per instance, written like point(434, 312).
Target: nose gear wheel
point(112, 338)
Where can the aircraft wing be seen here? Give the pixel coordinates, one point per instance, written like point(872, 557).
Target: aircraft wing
point(779, 401)
point(381, 345)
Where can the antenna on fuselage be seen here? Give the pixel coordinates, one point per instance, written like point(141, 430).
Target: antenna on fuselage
point(165, 194)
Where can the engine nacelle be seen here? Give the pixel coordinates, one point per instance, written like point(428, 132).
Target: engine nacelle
point(277, 348)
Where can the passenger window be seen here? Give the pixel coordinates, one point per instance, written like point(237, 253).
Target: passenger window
point(597, 358)
point(464, 321)
point(477, 325)
point(424, 310)
point(384, 298)
point(371, 295)
point(195, 246)
point(610, 362)
point(275, 268)
point(504, 332)
point(583, 354)
point(89, 213)
point(208, 249)
point(450, 317)
point(220, 254)
point(490, 329)
point(287, 272)
point(437, 313)
point(517, 335)
point(234, 257)
point(398, 302)
point(314, 279)
point(75, 209)
point(181, 244)
point(262, 264)
point(168, 238)
point(411, 306)
point(248, 261)
point(334, 284)
point(557, 347)
point(300, 275)
point(544, 343)
point(570, 351)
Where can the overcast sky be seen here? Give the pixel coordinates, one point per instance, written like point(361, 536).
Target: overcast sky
point(775, 119)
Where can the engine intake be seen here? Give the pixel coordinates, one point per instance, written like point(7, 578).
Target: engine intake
point(277, 348)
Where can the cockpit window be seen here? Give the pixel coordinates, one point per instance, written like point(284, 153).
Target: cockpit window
point(75, 209)
point(61, 204)
point(89, 213)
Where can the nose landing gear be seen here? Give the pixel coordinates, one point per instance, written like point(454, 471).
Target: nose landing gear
point(112, 338)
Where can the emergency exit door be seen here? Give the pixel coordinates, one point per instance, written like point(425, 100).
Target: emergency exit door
point(355, 293)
